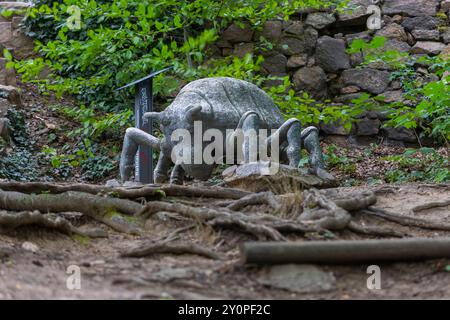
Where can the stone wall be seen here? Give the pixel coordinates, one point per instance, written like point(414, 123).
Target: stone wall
point(311, 49)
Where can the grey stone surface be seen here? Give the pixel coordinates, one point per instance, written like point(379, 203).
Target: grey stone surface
point(367, 127)
point(401, 134)
point(446, 36)
point(423, 22)
point(432, 35)
point(275, 64)
point(357, 15)
point(445, 5)
point(304, 43)
point(320, 20)
point(371, 80)
point(410, 7)
point(312, 80)
point(331, 55)
point(271, 30)
point(234, 33)
point(297, 61)
point(298, 278)
point(393, 31)
point(11, 93)
point(427, 47)
point(294, 28)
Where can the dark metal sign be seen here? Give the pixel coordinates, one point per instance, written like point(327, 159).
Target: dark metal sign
point(143, 102)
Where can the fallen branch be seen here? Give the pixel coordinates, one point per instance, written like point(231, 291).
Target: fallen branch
point(345, 251)
point(20, 219)
point(153, 248)
point(405, 220)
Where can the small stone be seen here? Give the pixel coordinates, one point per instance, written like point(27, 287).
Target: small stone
point(420, 34)
point(294, 45)
point(445, 5)
point(242, 49)
point(298, 278)
point(271, 30)
point(356, 14)
point(350, 89)
point(11, 93)
point(5, 32)
point(367, 127)
point(320, 20)
point(446, 36)
point(391, 96)
point(331, 55)
point(275, 64)
point(297, 61)
point(312, 80)
point(30, 246)
point(113, 183)
point(393, 31)
point(294, 27)
point(427, 47)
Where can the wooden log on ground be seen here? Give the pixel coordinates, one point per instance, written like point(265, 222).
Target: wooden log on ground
point(345, 251)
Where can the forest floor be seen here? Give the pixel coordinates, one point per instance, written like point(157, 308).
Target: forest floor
point(34, 261)
point(39, 270)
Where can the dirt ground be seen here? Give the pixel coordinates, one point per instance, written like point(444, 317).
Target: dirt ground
point(42, 274)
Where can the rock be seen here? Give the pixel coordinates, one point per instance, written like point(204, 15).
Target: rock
point(445, 5)
point(331, 55)
point(393, 44)
point(235, 34)
point(391, 96)
point(16, 22)
point(393, 31)
point(349, 38)
point(410, 7)
point(420, 34)
point(7, 75)
point(11, 93)
point(423, 23)
point(356, 14)
point(312, 80)
point(300, 278)
point(320, 20)
point(367, 127)
point(446, 36)
point(242, 49)
point(22, 46)
point(5, 251)
point(445, 53)
point(5, 32)
point(30, 246)
point(271, 30)
point(427, 47)
point(371, 80)
point(10, 5)
point(221, 43)
point(113, 183)
point(297, 61)
point(4, 107)
point(350, 89)
point(401, 134)
point(334, 128)
point(294, 27)
point(294, 45)
point(347, 98)
point(275, 64)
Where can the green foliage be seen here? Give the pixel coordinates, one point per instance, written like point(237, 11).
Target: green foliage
point(424, 164)
point(428, 106)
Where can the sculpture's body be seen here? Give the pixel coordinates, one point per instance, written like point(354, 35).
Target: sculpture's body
point(219, 103)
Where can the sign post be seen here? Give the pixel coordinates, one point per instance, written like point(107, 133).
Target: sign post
point(143, 102)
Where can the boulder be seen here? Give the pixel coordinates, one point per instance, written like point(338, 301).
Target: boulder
point(7, 75)
point(423, 23)
point(271, 30)
point(331, 55)
point(320, 20)
point(294, 27)
point(401, 134)
point(293, 45)
point(241, 49)
point(312, 80)
point(235, 33)
point(334, 128)
point(431, 35)
point(297, 61)
point(275, 64)
point(356, 14)
point(5, 32)
point(11, 94)
point(367, 127)
point(427, 47)
point(410, 7)
point(371, 80)
point(393, 31)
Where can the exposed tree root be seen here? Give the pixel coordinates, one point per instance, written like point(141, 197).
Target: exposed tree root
point(255, 199)
point(430, 205)
point(14, 220)
point(405, 220)
point(147, 191)
point(96, 207)
point(373, 231)
point(171, 248)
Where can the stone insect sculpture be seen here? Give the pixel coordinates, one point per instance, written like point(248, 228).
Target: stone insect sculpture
point(221, 104)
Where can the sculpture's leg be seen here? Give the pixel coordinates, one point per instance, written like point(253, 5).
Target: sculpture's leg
point(310, 138)
point(177, 175)
point(133, 139)
point(249, 123)
point(160, 173)
point(289, 132)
